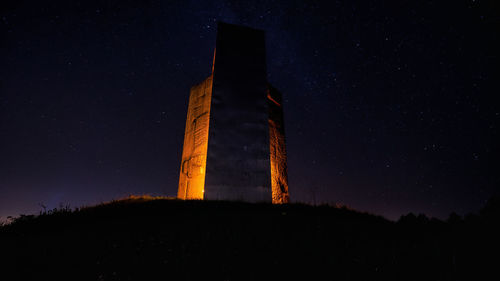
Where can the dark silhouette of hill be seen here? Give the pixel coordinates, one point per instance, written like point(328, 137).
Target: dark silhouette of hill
point(203, 240)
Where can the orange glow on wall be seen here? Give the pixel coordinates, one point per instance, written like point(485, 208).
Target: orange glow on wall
point(277, 148)
point(194, 153)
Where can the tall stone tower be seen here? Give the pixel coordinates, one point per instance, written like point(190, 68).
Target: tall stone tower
point(234, 143)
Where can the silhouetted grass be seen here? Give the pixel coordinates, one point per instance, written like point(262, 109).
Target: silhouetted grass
point(145, 239)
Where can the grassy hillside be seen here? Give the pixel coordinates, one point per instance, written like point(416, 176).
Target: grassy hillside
point(165, 239)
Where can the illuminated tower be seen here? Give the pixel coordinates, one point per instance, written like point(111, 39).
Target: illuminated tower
point(234, 142)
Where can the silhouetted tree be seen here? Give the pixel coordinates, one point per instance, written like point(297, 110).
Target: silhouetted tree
point(491, 210)
point(454, 218)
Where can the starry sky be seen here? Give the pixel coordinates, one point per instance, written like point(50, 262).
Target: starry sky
point(389, 105)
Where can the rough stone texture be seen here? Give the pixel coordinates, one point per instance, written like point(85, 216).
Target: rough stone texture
point(234, 143)
point(194, 153)
point(279, 170)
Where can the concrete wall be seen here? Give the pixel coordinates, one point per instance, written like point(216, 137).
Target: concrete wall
point(238, 165)
point(234, 142)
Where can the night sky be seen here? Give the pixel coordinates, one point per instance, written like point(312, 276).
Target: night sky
point(389, 105)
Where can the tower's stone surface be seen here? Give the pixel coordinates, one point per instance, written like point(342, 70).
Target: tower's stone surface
point(194, 152)
point(234, 144)
point(279, 169)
